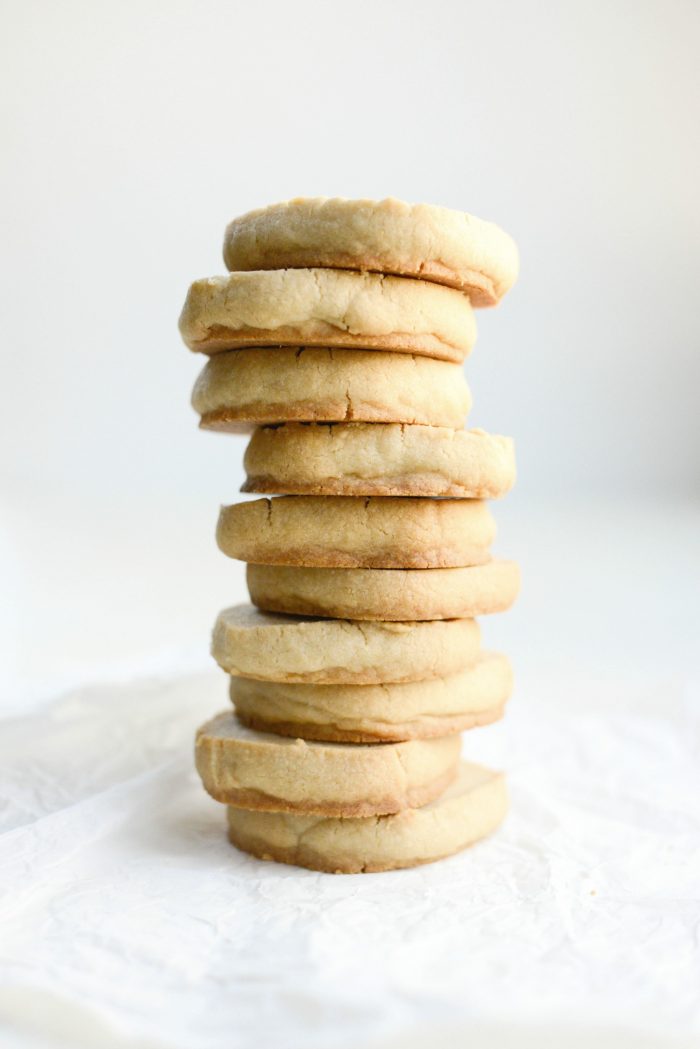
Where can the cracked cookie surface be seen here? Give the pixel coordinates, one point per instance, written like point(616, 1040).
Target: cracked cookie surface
point(260, 645)
point(387, 236)
point(242, 388)
point(378, 459)
point(392, 594)
point(370, 713)
point(328, 531)
point(470, 809)
point(323, 307)
point(258, 770)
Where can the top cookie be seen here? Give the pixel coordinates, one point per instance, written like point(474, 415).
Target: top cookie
point(386, 236)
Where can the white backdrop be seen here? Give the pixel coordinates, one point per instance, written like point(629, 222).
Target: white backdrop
point(132, 132)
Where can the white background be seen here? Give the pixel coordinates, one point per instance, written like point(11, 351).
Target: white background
point(132, 132)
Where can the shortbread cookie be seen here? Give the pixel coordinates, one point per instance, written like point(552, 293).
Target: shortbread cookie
point(387, 594)
point(254, 644)
point(301, 307)
point(240, 389)
point(372, 713)
point(256, 770)
point(369, 459)
point(469, 810)
point(341, 532)
point(386, 236)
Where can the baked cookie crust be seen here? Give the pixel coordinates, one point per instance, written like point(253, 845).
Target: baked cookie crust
point(364, 459)
point(469, 810)
point(325, 307)
point(373, 713)
point(268, 647)
point(387, 236)
point(257, 770)
point(243, 388)
point(344, 532)
point(388, 595)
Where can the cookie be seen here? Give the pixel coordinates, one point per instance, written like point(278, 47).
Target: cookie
point(256, 770)
point(387, 594)
point(341, 532)
point(302, 307)
point(385, 236)
point(470, 809)
point(254, 644)
point(243, 388)
point(372, 713)
point(370, 459)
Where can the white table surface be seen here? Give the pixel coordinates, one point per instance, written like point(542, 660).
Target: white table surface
point(127, 919)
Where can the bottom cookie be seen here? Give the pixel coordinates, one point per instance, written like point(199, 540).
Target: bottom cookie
point(471, 808)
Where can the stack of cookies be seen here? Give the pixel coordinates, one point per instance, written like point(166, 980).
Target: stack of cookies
point(337, 339)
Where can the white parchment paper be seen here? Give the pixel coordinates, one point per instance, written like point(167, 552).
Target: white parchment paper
point(127, 918)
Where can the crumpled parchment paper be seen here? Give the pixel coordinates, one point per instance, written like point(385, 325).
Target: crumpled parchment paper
point(128, 919)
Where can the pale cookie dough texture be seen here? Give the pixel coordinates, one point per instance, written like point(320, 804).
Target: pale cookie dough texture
point(256, 770)
point(385, 594)
point(242, 388)
point(344, 532)
point(470, 809)
point(327, 308)
point(375, 713)
point(366, 459)
point(249, 643)
point(386, 236)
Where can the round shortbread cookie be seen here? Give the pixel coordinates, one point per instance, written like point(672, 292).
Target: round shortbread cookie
point(470, 809)
point(386, 594)
point(326, 531)
point(249, 643)
point(256, 770)
point(302, 307)
point(243, 388)
point(385, 236)
point(378, 459)
point(372, 713)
